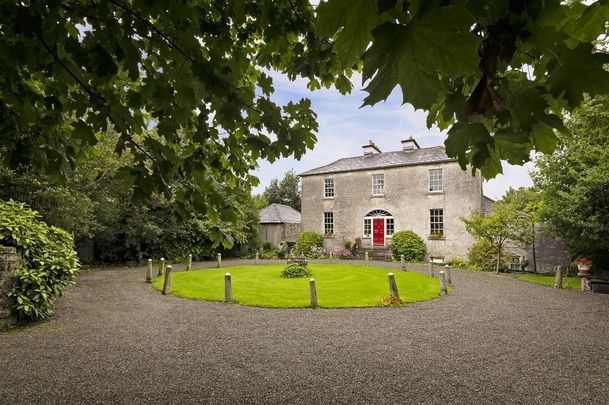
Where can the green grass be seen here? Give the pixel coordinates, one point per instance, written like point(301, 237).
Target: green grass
point(567, 282)
point(338, 286)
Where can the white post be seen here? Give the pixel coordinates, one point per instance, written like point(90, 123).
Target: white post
point(167, 282)
point(228, 288)
point(189, 264)
point(161, 267)
point(558, 277)
point(331, 256)
point(393, 288)
point(313, 293)
point(257, 257)
point(430, 269)
point(447, 271)
point(443, 289)
point(403, 262)
point(149, 272)
point(366, 258)
point(219, 259)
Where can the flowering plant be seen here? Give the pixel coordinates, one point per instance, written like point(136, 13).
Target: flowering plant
point(389, 302)
point(317, 252)
point(342, 253)
point(584, 261)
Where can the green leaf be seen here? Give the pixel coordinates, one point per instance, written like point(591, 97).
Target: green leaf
point(544, 138)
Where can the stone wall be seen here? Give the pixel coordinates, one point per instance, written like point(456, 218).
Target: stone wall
point(406, 198)
point(8, 264)
point(279, 233)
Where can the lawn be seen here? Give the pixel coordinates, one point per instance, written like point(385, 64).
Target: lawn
point(567, 282)
point(338, 286)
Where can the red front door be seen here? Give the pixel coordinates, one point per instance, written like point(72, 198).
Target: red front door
point(378, 232)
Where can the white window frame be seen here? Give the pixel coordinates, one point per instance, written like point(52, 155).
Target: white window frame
point(329, 223)
point(436, 181)
point(436, 221)
point(367, 227)
point(329, 187)
point(378, 187)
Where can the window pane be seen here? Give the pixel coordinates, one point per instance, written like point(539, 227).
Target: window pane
point(329, 188)
point(435, 180)
point(389, 226)
point(378, 184)
point(328, 223)
point(436, 221)
point(367, 227)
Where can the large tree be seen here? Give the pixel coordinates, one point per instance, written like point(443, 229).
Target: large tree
point(285, 191)
point(574, 182)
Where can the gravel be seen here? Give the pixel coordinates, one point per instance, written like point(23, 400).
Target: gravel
point(495, 339)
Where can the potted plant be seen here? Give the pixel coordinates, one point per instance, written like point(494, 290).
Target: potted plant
point(583, 265)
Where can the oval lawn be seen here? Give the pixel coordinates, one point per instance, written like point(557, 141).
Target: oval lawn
point(338, 286)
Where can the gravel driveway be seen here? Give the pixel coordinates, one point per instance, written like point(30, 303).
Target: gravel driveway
point(494, 340)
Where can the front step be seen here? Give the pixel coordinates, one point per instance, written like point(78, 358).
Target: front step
point(375, 253)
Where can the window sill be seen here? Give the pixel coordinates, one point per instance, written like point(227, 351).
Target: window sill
point(436, 238)
point(377, 196)
point(435, 192)
point(328, 198)
point(328, 236)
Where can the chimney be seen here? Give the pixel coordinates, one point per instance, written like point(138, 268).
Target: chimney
point(370, 149)
point(410, 144)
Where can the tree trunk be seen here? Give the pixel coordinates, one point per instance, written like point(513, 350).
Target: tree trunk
point(498, 259)
point(534, 254)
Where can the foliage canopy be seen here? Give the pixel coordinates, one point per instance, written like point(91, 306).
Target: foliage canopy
point(285, 191)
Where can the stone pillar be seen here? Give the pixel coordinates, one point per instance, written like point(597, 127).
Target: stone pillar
point(430, 269)
point(447, 274)
point(257, 258)
point(161, 267)
point(366, 258)
point(558, 277)
point(443, 288)
point(313, 293)
point(167, 281)
point(189, 263)
point(393, 287)
point(228, 288)
point(9, 259)
point(219, 260)
point(403, 262)
point(149, 272)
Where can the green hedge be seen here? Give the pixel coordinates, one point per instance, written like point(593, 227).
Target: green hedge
point(409, 244)
point(48, 261)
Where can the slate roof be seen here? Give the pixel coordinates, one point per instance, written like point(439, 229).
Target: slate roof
point(434, 154)
point(279, 214)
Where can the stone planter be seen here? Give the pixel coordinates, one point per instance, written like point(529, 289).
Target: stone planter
point(583, 270)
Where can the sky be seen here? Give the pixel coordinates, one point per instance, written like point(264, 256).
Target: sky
point(344, 127)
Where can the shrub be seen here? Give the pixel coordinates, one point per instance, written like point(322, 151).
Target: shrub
point(48, 261)
point(457, 262)
point(307, 241)
point(343, 253)
point(295, 270)
point(409, 244)
point(317, 252)
point(484, 256)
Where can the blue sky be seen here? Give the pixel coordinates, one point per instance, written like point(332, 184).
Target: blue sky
point(344, 128)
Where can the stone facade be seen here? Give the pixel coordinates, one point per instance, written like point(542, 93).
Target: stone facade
point(406, 198)
point(279, 233)
point(8, 264)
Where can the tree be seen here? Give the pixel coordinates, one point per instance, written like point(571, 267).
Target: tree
point(286, 191)
point(574, 182)
point(498, 74)
point(496, 228)
point(196, 73)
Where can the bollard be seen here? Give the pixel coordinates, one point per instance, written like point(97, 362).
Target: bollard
point(558, 277)
point(393, 287)
point(366, 258)
point(313, 293)
point(189, 263)
point(430, 269)
point(257, 257)
point(167, 282)
point(228, 288)
point(161, 267)
point(219, 259)
point(447, 273)
point(443, 289)
point(149, 272)
point(403, 262)
point(331, 256)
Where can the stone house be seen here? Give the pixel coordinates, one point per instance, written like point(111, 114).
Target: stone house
point(374, 195)
point(280, 224)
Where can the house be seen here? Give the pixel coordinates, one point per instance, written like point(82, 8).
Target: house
point(374, 195)
point(280, 224)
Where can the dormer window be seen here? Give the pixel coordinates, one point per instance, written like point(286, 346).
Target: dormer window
point(378, 184)
point(329, 188)
point(435, 180)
